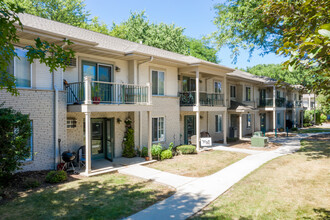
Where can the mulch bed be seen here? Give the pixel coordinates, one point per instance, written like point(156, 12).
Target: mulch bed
point(26, 182)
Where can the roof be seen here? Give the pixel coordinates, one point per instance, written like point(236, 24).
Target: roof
point(249, 76)
point(103, 41)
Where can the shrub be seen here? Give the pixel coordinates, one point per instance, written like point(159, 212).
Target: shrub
point(15, 130)
point(294, 129)
point(129, 143)
point(323, 118)
point(31, 183)
point(56, 176)
point(166, 154)
point(187, 149)
point(171, 146)
point(156, 150)
point(144, 152)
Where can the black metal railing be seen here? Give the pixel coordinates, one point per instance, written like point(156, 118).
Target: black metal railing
point(205, 99)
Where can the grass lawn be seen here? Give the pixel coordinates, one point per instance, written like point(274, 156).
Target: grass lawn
point(198, 165)
point(110, 196)
point(295, 186)
point(313, 130)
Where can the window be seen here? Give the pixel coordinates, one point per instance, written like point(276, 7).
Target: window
point(278, 94)
point(21, 69)
point(295, 96)
point(232, 91)
point(278, 118)
point(188, 84)
point(248, 121)
point(158, 82)
point(98, 72)
point(30, 144)
point(218, 123)
point(217, 87)
point(71, 123)
point(248, 94)
point(158, 129)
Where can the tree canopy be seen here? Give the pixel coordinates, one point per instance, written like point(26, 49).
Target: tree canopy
point(41, 50)
point(298, 30)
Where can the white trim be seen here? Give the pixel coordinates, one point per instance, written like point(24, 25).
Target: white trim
point(158, 70)
point(164, 129)
point(19, 87)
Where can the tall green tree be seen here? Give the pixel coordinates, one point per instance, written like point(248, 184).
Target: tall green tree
point(71, 12)
point(39, 50)
point(297, 29)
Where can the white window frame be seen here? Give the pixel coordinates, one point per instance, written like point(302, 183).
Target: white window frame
point(217, 81)
point(217, 117)
point(164, 130)
point(158, 71)
point(247, 121)
point(14, 60)
point(234, 90)
point(246, 96)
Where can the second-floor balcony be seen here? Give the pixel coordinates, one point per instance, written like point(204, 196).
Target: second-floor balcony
point(268, 102)
point(205, 99)
point(98, 92)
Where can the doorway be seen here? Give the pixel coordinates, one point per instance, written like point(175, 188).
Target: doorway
point(263, 122)
point(102, 138)
point(189, 128)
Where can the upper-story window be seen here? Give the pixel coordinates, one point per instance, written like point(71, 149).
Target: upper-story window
point(158, 78)
point(248, 94)
point(20, 67)
point(188, 84)
point(232, 91)
point(98, 72)
point(295, 96)
point(278, 94)
point(217, 87)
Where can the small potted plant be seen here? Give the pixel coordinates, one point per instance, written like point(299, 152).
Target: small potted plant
point(95, 94)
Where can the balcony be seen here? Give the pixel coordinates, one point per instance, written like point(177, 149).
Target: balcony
point(205, 99)
point(298, 104)
point(289, 104)
point(98, 94)
point(268, 102)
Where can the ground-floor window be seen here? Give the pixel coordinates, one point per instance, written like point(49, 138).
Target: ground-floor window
point(218, 123)
point(278, 118)
point(158, 129)
point(248, 121)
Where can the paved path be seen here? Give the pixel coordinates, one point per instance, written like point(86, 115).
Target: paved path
point(193, 194)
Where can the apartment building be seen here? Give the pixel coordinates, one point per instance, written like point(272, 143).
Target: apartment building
point(168, 97)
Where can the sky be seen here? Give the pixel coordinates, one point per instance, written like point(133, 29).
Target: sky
point(194, 15)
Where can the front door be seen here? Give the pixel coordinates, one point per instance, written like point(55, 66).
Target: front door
point(263, 122)
point(103, 138)
point(189, 128)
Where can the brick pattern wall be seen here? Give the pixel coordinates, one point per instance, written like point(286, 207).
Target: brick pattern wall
point(39, 105)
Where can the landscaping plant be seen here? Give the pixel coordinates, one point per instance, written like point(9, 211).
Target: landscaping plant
point(15, 131)
point(144, 152)
point(187, 149)
point(57, 176)
point(156, 151)
point(129, 140)
point(166, 154)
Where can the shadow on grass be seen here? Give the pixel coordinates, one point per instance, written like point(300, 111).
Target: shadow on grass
point(313, 130)
point(316, 147)
point(108, 199)
point(322, 213)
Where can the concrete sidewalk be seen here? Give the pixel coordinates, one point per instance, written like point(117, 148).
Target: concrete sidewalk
point(194, 194)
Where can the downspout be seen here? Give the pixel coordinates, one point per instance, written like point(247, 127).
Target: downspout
point(140, 113)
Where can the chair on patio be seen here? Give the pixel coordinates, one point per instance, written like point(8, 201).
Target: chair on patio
point(81, 158)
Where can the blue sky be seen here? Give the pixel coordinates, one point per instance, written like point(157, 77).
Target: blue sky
point(194, 15)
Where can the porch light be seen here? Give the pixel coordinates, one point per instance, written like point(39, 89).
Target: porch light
point(117, 68)
point(119, 120)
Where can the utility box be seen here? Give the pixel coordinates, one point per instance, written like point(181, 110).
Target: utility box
point(258, 141)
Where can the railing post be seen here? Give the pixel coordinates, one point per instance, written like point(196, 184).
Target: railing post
point(88, 90)
point(149, 93)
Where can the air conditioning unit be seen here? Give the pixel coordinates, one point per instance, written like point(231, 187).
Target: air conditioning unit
point(72, 62)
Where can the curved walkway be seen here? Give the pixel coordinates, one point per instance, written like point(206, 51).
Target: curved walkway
point(193, 194)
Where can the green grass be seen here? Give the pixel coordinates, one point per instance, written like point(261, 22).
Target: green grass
point(198, 165)
point(110, 196)
point(313, 130)
point(295, 186)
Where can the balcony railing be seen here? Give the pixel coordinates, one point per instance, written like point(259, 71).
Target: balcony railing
point(298, 104)
point(280, 102)
point(97, 92)
point(267, 102)
point(289, 104)
point(205, 99)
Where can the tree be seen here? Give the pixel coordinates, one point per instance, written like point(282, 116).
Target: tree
point(137, 28)
point(298, 30)
point(15, 131)
point(71, 12)
point(53, 55)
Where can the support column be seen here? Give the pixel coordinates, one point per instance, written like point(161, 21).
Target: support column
point(149, 134)
point(88, 89)
point(274, 108)
point(274, 120)
point(225, 127)
point(284, 120)
point(225, 94)
point(253, 123)
point(240, 126)
point(88, 143)
point(197, 112)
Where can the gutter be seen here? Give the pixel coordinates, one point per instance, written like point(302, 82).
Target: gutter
point(140, 113)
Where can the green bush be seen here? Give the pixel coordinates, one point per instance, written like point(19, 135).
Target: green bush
point(323, 118)
point(294, 129)
point(187, 149)
point(166, 154)
point(56, 176)
point(144, 152)
point(15, 131)
point(31, 183)
point(129, 144)
point(156, 150)
point(171, 146)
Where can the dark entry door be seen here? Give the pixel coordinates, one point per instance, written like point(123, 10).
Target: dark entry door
point(189, 127)
point(109, 139)
point(97, 138)
point(263, 122)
